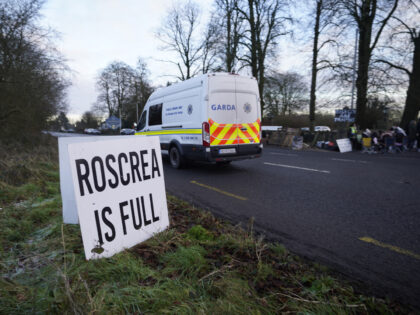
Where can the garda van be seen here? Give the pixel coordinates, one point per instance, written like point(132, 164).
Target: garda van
point(213, 117)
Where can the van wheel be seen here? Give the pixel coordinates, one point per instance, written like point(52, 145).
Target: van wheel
point(175, 158)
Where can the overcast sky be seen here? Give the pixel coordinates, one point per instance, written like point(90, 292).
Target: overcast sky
point(94, 33)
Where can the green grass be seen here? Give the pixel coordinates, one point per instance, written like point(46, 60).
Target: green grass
point(199, 265)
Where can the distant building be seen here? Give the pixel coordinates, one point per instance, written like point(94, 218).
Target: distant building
point(112, 123)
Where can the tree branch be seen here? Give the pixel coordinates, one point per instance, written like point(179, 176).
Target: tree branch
point(384, 21)
point(410, 30)
point(394, 66)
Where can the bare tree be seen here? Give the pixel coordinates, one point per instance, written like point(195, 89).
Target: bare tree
point(209, 47)
point(103, 104)
point(402, 55)
point(315, 52)
point(123, 90)
point(229, 23)
point(114, 83)
point(140, 91)
point(285, 93)
point(324, 20)
point(179, 34)
point(371, 17)
point(265, 23)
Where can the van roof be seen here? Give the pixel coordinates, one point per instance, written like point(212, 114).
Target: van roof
point(188, 84)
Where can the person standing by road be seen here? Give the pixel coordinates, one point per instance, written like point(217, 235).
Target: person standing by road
point(352, 134)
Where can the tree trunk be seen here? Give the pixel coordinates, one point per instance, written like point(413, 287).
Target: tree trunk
point(261, 83)
point(412, 102)
point(365, 17)
point(256, 67)
point(229, 42)
point(253, 31)
point(314, 67)
point(365, 35)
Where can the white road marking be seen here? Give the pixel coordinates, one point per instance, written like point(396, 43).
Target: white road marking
point(353, 161)
point(285, 154)
point(297, 167)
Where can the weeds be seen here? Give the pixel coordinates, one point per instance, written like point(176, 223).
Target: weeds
point(197, 232)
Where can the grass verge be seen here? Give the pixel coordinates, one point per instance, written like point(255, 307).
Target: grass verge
point(199, 265)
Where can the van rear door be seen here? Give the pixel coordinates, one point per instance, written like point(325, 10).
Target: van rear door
point(234, 113)
point(247, 111)
point(222, 110)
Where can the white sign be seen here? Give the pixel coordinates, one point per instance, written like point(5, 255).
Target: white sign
point(343, 115)
point(120, 193)
point(66, 182)
point(344, 145)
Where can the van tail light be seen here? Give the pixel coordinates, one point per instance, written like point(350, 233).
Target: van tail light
point(206, 134)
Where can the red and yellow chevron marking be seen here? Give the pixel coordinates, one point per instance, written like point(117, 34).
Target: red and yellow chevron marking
point(225, 134)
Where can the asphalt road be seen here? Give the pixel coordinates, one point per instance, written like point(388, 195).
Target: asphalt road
point(357, 213)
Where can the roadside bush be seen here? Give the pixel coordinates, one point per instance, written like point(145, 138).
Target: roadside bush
point(32, 73)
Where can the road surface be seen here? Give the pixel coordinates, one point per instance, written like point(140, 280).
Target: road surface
point(357, 213)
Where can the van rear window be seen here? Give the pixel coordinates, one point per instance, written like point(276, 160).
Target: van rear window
point(155, 115)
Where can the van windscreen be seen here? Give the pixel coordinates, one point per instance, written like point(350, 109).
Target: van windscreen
point(142, 121)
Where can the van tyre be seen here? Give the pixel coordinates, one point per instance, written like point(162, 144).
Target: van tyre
point(175, 158)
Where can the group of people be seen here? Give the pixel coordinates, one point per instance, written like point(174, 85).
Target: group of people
point(395, 140)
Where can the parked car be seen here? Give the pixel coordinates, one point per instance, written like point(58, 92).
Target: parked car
point(271, 128)
point(127, 131)
point(317, 128)
point(92, 131)
point(322, 128)
point(71, 130)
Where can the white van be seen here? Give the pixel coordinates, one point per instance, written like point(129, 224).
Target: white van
point(213, 117)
